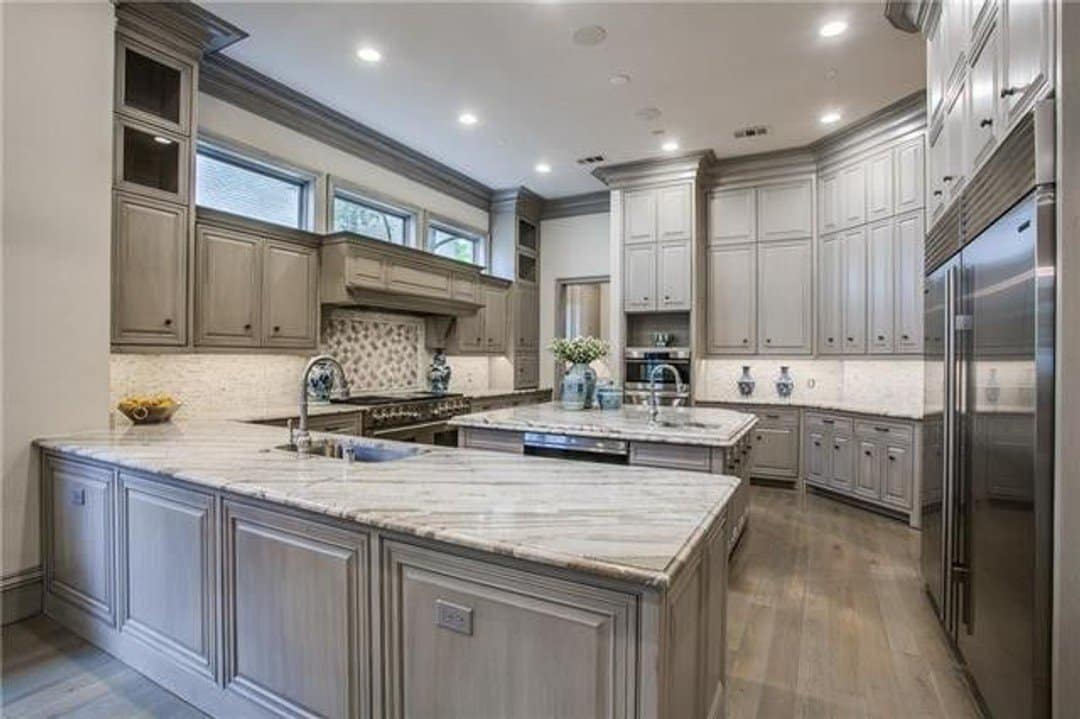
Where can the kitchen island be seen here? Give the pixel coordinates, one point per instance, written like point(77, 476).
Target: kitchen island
point(445, 582)
point(709, 440)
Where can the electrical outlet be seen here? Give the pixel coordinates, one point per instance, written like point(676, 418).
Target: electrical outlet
point(454, 617)
point(811, 383)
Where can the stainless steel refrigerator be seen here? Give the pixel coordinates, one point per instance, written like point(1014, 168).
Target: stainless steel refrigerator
point(988, 454)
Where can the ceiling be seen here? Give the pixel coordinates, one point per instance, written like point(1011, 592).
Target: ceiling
point(539, 97)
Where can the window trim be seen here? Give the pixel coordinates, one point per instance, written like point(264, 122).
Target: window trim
point(259, 162)
point(352, 192)
point(433, 221)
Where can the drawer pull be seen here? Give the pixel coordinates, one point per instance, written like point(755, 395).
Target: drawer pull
point(881, 429)
point(828, 421)
point(772, 416)
point(168, 321)
point(881, 338)
point(836, 446)
point(986, 122)
point(758, 438)
point(868, 453)
point(892, 458)
point(817, 444)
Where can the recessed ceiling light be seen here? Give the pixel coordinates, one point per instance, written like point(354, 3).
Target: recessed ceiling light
point(832, 29)
point(589, 35)
point(830, 117)
point(369, 54)
point(468, 119)
point(670, 146)
point(543, 167)
point(619, 79)
point(162, 140)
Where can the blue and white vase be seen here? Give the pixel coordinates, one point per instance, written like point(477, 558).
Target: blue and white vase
point(578, 387)
point(785, 383)
point(320, 383)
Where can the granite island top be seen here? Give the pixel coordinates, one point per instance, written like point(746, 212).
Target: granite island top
point(634, 524)
point(700, 426)
point(842, 404)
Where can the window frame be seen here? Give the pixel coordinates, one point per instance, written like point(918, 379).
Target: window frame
point(358, 195)
point(263, 164)
point(481, 237)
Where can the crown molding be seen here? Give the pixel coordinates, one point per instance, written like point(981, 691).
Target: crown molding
point(183, 26)
point(687, 166)
point(248, 89)
point(589, 203)
point(764, 166)
point(904, 15)
point(903, 117)
point(519, 201)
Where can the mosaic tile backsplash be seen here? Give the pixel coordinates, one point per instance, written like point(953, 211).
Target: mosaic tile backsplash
point(379, 352)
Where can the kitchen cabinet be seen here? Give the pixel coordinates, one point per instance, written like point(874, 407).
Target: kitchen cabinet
point(841, 462)
point(290, 295)
point(956, 155)
point(469, 332)
point(829, 206)
point(879, 186)
point(935, 66)
point(495, 317)
point(910, 173)
point(732, 308)
point(153, 86)
point(1028, 43)
point(639, 277)
point(868, 476)
point(149, 271)
point(785, 211)
point(169, 605)
point(982, 116)
point(854, 288)
point(774, 452)
point(817, 457)
point(228, 281)
point(785, 297)
point(852, 189)
point(674, 262)
point(908, 240)
point(830, 309)
point(881, 243)
point(150, 161)
point(639, 225)
point(674, 218)
point(897, 475)
point(733, 216)
point(309, 581)
point(526, 370)
point(526, 319)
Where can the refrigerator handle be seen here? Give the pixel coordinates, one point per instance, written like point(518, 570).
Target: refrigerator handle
point(962, 336)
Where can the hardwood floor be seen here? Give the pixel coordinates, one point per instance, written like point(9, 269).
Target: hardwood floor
point(827, 618)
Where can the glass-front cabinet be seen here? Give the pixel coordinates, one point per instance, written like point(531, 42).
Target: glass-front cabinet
point(153, 87)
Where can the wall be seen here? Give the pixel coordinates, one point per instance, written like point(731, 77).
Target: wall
point(57, 143)
point(569, 247)
point(224, 120)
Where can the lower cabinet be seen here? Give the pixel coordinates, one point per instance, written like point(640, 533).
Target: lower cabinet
point(526, 370)
point(775, 446)
point(467, 639)
point(297, 613)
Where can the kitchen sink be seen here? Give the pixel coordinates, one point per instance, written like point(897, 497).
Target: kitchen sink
point(356, 450)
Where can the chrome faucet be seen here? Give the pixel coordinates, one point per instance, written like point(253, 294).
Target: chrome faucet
point(654, 400)
point(302, 438)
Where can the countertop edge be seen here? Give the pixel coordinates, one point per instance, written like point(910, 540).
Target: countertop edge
point(631, 436)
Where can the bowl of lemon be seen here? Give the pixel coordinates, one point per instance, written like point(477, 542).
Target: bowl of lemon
point(148, 409)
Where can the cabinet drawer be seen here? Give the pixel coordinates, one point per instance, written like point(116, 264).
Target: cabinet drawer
point(418, 282)
point(828, 422)
point(496, 440)
point(656, 454)
point(526, 371)
point(777, 417)
point(884, 431)
point(335, 423)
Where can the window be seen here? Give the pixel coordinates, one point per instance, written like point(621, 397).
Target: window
point(370, 219)
point(243, 186)
point(456, 244)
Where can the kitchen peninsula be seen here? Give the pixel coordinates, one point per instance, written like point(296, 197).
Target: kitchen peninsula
point(252, 581)
point(715, 441)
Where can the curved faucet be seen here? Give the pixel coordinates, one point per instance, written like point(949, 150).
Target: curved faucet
point(302, 438)
point(654, 400)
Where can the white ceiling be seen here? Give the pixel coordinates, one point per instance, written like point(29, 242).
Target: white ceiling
point(709, 68)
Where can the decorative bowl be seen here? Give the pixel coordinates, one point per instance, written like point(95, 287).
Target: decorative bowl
point(148, 410)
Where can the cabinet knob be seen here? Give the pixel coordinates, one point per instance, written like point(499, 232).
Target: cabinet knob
point(937, 193)
point(247, 326)
point(986, 122)
point(836, 446)
point(947, 178)
point(868, 453)
point(745, 341)
point(168, 321)
point(758, 438)
point(904, 337)
point(1009, 91)
point(830, 340)
point(817, 444)
point(881, 338)
point(850, 339)
point(277, 328)
point(667, 297)
point(645, 299)
point(477, 339)
point(768, 341)
point(892, 458)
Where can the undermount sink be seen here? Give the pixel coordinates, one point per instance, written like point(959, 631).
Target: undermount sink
point(359, 451)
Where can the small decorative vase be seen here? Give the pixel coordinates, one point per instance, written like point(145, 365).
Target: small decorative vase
point(578, 387)
point(320, 383)
point(785, 384)
point(439, 373)
point(745, 382)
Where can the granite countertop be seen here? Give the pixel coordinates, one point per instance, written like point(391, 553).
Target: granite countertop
point(702, 426)
point(834, 404)
point(488, 393)
point(634, 524)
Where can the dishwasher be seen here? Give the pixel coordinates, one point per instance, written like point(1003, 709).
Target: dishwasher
point(582, 449)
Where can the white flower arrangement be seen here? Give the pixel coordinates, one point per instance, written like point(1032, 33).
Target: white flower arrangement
point(582, 350)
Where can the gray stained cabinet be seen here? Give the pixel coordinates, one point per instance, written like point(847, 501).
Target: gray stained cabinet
point(639, 277)
point(485, 331)
point(774, 450)
point(785, 297)
point(526, 318)
point(254, 292)
point(882, 285)
point(658, 226)
point(732, 308)
point(673, 274)
point(149, 271)
point(733, 216)
point(785, 211)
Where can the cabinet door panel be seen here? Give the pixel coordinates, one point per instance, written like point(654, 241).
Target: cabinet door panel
point(785, 212)
point(897, 477)
point(1027, 44)
point(855, 291)
point(732, 311)
point(296, 613)
point(956, 158)
point(937, 170)
point(879, 186)
point(983, 100)
point(829, 207)
point(881, 286)
point(79, 543)
point(842, 469)
point(496, 316)
point(674, 218)
point(149, 272)
point(909, 283)
point(639, 277)
point(227, 288)
point(775, 452)
point(818, 458)
point(469, 331)
point(733, 216)
point(290, 295)
point(785, 297)
point(909, 173)
point(831, 295)
point(935, 61)
point(853, 195)
point(640, 217)
point(868, 473)
point(168, 571)
point(674, 275)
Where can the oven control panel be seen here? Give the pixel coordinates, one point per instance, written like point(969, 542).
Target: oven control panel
point(407, 413)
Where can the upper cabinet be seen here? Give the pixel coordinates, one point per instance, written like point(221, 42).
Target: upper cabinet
point(1028, 52)
point(658, 230)
point(785, 211)
point(153, 86)
point(908, 174)
point(785, 297)
point(290, 296)
point(674, 218)
point(733, 216)
point(639, 224)
point(879, 186)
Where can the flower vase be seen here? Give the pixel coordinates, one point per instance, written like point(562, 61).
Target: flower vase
point(785, 383)
point(578, 387)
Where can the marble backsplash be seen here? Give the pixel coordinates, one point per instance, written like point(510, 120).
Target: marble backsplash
point(380, 352)
point(888, 383)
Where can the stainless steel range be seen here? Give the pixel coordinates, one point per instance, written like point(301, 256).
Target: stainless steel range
point(411, 417)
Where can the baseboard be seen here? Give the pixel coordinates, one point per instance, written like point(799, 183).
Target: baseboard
point(20, 595)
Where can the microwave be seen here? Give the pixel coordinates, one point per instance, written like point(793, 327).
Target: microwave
point(639, 362)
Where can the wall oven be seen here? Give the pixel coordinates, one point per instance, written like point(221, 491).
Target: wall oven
point(639, 362)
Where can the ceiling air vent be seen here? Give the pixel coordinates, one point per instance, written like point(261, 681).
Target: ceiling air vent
point(753, 131)
point(590, 160)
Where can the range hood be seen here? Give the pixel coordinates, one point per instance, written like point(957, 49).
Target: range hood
point(359, 271)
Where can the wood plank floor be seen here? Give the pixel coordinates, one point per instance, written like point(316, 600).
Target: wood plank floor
point(827, 618)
